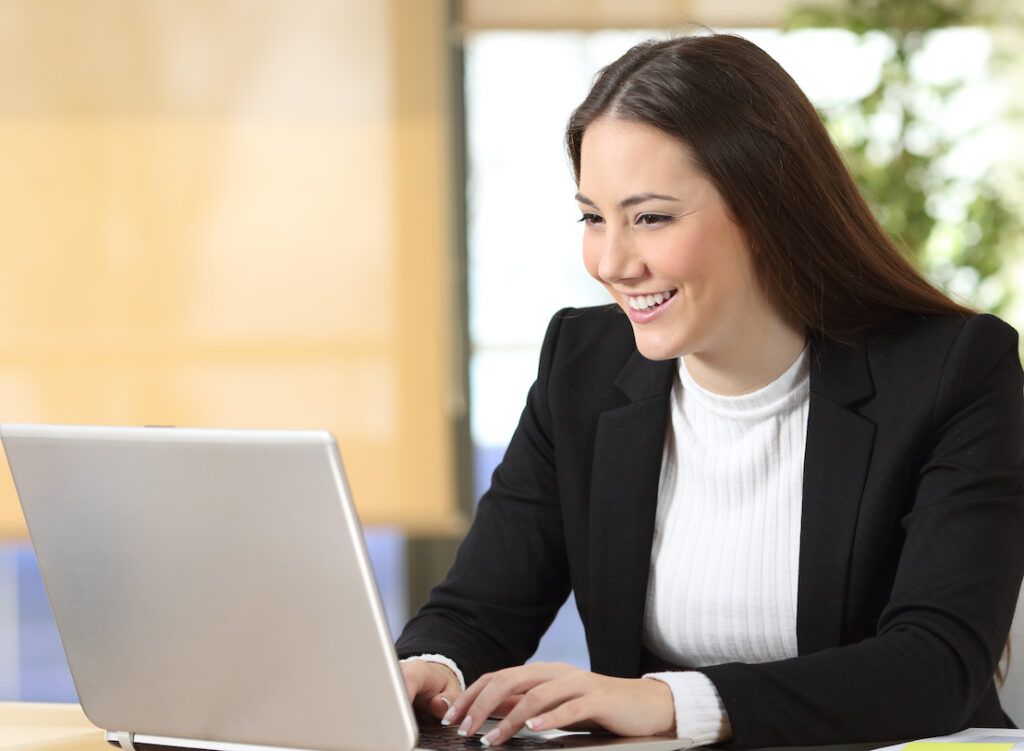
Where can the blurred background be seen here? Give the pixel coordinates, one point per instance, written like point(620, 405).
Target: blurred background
point(357, 215)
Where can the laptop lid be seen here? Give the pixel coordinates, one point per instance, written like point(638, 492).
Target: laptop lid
point(211, 586)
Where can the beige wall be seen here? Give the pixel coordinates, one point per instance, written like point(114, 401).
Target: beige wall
point(232, 213)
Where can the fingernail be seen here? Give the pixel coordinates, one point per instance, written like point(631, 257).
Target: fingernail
point(491, 737)
point(464, 727)
point(449, 715)
point(534, 722)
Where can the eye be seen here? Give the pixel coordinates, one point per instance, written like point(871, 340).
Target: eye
point(650, 219)
point(590, 218)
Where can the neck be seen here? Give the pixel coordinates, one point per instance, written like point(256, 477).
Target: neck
point(751, 364)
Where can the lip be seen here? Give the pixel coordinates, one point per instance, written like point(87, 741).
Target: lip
point(645, 316)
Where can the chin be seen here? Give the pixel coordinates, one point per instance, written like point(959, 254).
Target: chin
point(654, 350)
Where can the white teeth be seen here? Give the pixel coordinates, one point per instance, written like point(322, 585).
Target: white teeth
point(644, 302)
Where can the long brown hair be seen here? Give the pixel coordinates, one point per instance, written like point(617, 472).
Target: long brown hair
point(816, 245)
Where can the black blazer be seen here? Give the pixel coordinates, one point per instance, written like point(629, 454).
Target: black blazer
point(911, 540)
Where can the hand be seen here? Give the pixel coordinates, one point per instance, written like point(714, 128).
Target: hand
point(432, 687)
point(544, 696)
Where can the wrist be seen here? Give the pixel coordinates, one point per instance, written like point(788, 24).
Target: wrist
point(663, 700)
point(699, 712)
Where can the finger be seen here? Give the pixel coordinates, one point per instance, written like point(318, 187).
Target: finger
point(442, 704)
point(439, 705)
point(503, 685)
point(486, 698)
point(575, 713)
point(507, 706)
point(493, 692)
point(430, 686)
point(457, 713)
point(535, 702)
point(413, 679)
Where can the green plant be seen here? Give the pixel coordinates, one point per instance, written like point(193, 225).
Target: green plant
point(959, 228)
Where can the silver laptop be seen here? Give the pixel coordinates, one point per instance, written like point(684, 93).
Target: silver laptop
point(212, 589)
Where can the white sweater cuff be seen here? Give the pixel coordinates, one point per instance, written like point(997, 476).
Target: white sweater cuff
point(450, 664)
point(700, 713)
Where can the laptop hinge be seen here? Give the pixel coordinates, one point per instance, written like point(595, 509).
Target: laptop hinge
point(126, 740)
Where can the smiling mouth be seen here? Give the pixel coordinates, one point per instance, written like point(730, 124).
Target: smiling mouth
point(646, 302)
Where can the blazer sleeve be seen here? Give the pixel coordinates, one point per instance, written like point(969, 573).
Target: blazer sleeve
point(510, 575)
point(939, 637)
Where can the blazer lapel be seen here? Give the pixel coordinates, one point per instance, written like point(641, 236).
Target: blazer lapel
point(624, 496)
point(839, 443)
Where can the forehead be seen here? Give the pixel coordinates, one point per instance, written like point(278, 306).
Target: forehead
point(625, 156)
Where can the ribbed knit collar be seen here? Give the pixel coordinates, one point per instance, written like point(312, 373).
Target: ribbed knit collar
point(779, 395)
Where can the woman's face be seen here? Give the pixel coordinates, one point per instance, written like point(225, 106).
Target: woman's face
point(659, 236)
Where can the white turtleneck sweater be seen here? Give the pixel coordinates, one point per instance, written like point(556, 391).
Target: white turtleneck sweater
point(724, 561)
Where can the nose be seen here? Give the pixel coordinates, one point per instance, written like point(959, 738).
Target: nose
point(619, 260)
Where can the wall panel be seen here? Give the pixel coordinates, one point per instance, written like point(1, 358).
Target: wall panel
point(207, 219)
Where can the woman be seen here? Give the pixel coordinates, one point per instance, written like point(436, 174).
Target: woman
point(786, 487)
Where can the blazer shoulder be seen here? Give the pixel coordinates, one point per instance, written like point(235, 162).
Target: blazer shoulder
point(932, 329)
point(939, 341)
point(943, 359)
point(907, 357)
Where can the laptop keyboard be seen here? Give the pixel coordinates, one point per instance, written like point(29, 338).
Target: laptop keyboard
point(439, 738)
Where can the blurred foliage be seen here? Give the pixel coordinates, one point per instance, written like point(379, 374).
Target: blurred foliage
point(961, 231)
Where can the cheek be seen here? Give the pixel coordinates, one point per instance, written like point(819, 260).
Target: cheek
point(683, 256)
point(698, 253)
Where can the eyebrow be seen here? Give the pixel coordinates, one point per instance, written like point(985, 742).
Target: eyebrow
point(629, 200)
